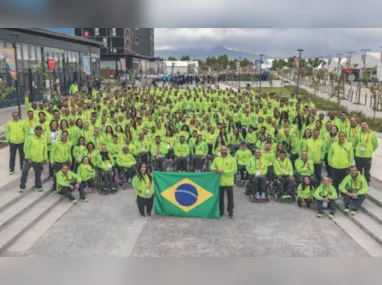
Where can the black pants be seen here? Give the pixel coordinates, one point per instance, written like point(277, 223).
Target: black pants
point(145, 202)
point(364, 166)
point(317, 171)
point(181, 163)
point(65, 190)
point(260, 183)
point(51, 169)
point(38, 168)
point(327, 166)
point(293, 159)
point(108, 178)
point(271, 173)
point(88, 183)
point(158, 164)
point(338, 175)
point(12, 159)
point(331, 205)
point(285, 185)
point(223, 190)
point(198, 162)
point(243, 172)
point(357, 202)
point(307, 201)
point(126, 172)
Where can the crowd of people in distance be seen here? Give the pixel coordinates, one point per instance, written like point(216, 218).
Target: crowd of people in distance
point(109, 139)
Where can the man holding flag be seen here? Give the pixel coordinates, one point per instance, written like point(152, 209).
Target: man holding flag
point(226, 166)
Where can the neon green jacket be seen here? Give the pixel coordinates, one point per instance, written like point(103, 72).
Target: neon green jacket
point(86, 172)
point(358, 185)
point(126, 160)
point(304, 168)
point(105, 165)
point(283, 168)
point(114, 149)
point(79, 152)
point(325, 191)
point(316, 149)
point(36, 148)
point(243, 156)
point(181, 149)
point(305, 193)
point(140, 186)
point(73, 89)
point(65, 180)
point(340, 156)
point(15, 132)
point(251, 138)
point(60, 152)
point(201, 149)
point(255, 165)
point(269, 157)
point(365, 143)
point(163, 150)
point(229, 165)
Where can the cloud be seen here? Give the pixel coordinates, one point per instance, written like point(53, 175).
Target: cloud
point(274, 42)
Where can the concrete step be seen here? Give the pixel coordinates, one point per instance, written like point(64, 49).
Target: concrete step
point(18, 208)
point(12, 231)
point(373, 210)
point(366, 223)
point(375, 196)
point(20, 245)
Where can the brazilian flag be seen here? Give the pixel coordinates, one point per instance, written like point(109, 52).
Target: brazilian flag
point(187, 194)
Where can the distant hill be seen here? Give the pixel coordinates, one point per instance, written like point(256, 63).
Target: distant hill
point(202, 53)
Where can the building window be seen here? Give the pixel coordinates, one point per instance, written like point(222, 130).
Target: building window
point(115, 50)
point(96, 31)
point(114, 32)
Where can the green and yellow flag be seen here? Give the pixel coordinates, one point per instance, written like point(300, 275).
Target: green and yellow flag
point(187, 194)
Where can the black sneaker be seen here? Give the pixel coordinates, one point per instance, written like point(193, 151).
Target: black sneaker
point(230, 216)
point(143, 216)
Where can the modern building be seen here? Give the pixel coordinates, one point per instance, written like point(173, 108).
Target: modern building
point(125, 48)
point(35, 47)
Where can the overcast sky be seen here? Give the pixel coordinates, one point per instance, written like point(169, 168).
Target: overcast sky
point(273, 42)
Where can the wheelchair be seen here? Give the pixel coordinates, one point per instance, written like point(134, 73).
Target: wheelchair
point(204, 164)
point(187, 163)
point(250, 189)
point(277, 191)
point(239, 181)
point(100, 184)
point(122, 174)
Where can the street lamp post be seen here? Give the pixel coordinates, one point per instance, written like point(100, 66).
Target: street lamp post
point(239, 71)
point(90, 64)
point(298, 70)
point(339, 55)
point(261, 61)
point(14, 45)
point(350, 53)
point(364, 51)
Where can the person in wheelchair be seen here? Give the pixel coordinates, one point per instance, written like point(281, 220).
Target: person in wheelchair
point(142, 148)
point(284, 175)
point(243, 156)
point(269, 157)
point(326, 196)
point(305, 167)
point(158, 151)
point(105, 165)
point(200, 153)
point(126, 165)
point(305, 192)
point(181, 151)
point(258, 168)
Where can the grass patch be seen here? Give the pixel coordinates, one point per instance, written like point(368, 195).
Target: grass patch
point(326, 105)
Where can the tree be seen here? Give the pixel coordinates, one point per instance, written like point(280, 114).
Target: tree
point(5, 90)
point(245, 62)
point(185, 58)
point(172, 58)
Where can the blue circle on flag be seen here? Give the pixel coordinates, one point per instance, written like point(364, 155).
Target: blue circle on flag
point(186, 194)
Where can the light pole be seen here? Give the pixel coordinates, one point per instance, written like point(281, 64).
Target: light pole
point(350, 53)
point(90, 64)
point(298, 70)
point(364, 51)
point(14, 45)
point(339, 55)
point(261, 61)
point(239, 70)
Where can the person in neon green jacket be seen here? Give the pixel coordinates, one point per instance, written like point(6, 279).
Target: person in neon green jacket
point(226, 166)
point(257, 168)
point(365, 144)
point(182, 151)
point(73, 88)
point(114, 147)
point(144, 190)
point(126, 164)
point(67, 181)
point(200, 153)
point(105, 163)
point(304, 167)
point(79, 152)
point(354, 188)
point(284, 171)
point(340, 158)
point(305, 192)
point(243, 156)
point(316, 148)
point(158, 151)
point(15, 136)
point(87, 173)
point(36, 155)
point(327, 194)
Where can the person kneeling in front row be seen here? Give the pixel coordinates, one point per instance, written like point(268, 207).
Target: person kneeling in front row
point(67, 181)
point(354, 188)
point(305, 192)
point(326, 196)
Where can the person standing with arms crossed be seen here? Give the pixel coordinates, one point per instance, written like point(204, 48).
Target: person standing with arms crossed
point(226, 166)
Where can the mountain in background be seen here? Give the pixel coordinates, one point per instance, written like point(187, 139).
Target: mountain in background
point(202, 53)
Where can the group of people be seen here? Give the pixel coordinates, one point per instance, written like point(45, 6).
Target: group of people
point(120, 137)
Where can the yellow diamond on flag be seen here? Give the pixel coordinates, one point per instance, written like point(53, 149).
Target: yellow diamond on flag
point(186, 195)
